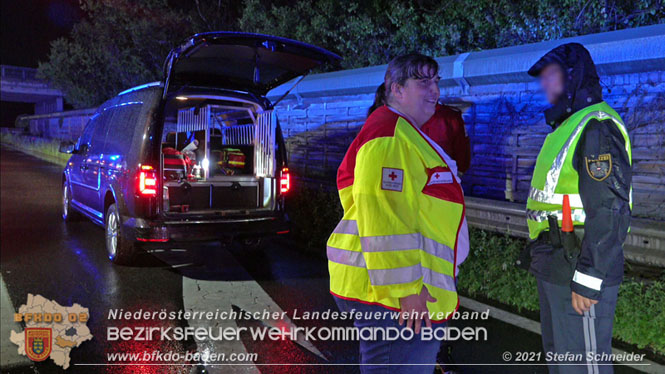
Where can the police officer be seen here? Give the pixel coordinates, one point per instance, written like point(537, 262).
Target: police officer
point(588, 159)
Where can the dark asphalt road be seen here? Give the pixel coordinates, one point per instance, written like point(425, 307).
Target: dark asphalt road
point(40, 254)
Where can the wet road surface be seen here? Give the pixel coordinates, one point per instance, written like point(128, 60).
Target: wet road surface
point(66, 262)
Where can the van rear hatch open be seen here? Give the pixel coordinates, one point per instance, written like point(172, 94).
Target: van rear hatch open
point(253, 63)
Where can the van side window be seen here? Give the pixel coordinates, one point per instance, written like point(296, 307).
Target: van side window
point(122, 126)
point(101, 127)
point(86, 136)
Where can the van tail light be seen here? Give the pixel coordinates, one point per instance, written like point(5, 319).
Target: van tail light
point(147, 181)
point(285, 181)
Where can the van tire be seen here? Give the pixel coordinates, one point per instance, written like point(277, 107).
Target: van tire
point(68, 213)
point(119, 250)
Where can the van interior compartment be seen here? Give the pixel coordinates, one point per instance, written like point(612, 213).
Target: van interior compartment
point(217, 155)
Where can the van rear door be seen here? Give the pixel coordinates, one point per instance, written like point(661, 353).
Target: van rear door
point(245, 62)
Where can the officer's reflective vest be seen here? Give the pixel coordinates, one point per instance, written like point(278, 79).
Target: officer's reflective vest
point(403, 219)
point(554, 175)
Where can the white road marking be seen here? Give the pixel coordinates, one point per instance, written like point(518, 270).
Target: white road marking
point(248, 295)
point(201, 295)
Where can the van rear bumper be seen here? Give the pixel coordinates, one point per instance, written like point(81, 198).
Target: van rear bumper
point(204, 230)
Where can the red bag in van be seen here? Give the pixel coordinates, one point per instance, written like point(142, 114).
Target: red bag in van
point(175, 166)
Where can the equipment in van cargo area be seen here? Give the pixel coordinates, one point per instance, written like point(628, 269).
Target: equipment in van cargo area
point(229, 137)
point(232, 165)
point(175, 165)
point(231, 160)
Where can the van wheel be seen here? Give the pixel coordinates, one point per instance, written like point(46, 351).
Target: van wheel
point(68, 214)
point(120, 250)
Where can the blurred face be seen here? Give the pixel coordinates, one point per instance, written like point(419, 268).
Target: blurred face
point(417, 98)
point(552, 82)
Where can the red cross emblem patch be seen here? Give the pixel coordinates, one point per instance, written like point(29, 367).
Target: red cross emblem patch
point(392, 179)
point(440, 177)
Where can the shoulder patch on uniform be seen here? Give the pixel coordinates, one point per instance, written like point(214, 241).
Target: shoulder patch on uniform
point(392, 179)
point(440, 177)
point(599, 168)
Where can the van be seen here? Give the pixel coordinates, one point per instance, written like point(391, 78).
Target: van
point(198, 156)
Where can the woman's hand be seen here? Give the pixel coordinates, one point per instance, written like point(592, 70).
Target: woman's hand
point(415, 307)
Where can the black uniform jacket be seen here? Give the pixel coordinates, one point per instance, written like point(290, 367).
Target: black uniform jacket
point(605, 177)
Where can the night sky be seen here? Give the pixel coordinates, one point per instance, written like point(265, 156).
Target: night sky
point(28, 26)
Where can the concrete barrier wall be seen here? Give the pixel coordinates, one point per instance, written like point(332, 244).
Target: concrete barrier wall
point(503, 111)
point(58, 125)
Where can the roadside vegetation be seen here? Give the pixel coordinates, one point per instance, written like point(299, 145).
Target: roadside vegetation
point(123, 43)
point(489, 274)
point(46, 149)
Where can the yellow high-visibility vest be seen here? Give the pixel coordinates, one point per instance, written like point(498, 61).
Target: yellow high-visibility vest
point(554, 174)
point(403, 219)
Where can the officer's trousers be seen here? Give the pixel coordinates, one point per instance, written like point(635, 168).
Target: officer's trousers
point(574, 343)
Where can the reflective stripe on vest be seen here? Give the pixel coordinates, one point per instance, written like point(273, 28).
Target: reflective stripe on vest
point(578, 215)
point(346, 226)
point(344, 257)
point(554, 198)
point(385, 277)
point(406, 242)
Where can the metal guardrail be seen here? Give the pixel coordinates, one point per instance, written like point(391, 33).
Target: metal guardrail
point(616, 52)
point(645, 244)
